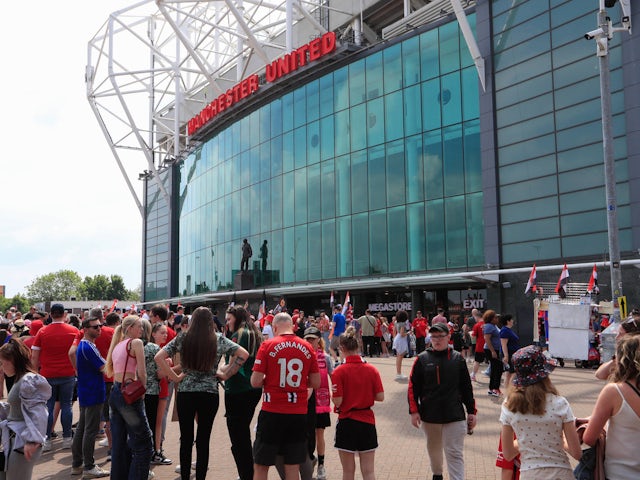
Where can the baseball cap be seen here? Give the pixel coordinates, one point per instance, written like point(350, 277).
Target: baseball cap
point(439, 328)
point(57, 309)
point(96, 314)
point(531, 366)
point(312, 332)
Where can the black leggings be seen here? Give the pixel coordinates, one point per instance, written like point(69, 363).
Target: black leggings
point(496, 371)
point(205, 406)
point(240, 408)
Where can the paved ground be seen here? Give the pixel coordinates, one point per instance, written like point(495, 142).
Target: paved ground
point(402, 453)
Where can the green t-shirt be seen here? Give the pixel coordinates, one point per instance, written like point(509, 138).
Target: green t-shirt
point(241, 381)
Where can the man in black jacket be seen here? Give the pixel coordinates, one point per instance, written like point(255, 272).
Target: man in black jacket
point(439, 393)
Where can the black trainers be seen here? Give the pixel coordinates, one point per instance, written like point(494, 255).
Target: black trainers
point(159, 459)
point(438, 477)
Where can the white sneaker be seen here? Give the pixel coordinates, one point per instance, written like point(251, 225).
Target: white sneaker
point(67, 442)
point(46, 446)
point(96, 472)
point(322, 473)
point(104, 442)
point(177, 470)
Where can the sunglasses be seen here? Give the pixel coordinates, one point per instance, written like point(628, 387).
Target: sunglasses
point(95, 327)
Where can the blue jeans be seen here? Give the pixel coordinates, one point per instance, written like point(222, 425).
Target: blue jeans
point(62, 390)
point(131, 443)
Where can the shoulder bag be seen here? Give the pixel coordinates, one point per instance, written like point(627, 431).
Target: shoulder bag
point(132, 390)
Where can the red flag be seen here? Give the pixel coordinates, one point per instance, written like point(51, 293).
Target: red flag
point(113, 305)
point(561, 287)
point(531, 284)
point(593, 281)
point(347, 301)
point(349, 317)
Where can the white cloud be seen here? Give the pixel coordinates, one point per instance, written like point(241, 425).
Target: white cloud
point(64, 203)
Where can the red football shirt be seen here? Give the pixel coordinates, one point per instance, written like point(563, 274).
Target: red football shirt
point(103, 342)
point(420, 327)
point(477, 332)
point(54, 342)
point(286, 361)
point(357, 382)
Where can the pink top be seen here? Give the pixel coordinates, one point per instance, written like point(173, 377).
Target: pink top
point(119, 358)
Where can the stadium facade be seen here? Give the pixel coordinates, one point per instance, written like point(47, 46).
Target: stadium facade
point(411, 153)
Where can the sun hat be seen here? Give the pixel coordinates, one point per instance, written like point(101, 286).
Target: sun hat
point(531, 366)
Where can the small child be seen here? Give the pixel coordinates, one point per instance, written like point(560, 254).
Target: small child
point(356, 387)
point(541, 419)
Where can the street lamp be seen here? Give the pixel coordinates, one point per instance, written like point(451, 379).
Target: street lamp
point(602, 35)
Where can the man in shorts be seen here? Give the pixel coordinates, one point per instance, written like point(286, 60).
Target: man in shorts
point(338, 326)
point(285, 367)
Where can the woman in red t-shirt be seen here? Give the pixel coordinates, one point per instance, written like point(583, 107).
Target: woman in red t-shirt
point(356, 387)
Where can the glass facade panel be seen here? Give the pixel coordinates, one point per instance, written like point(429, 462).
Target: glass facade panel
point(371, 169)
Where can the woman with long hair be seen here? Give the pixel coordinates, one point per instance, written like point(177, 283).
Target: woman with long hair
point(24, 430)
point(356, 387)
point(492, 348)
point(200, 348)
point(131, 445)
point(619, 404)
point(509, 343)
point(629, 326)
point(240, 398)
point(540, 418)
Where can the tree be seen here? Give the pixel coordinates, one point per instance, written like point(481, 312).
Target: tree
point(97, 288)
point(117, 288)
point(60, 285)
point(19, 301)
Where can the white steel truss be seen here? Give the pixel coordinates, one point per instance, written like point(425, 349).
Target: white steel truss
point(154, 65)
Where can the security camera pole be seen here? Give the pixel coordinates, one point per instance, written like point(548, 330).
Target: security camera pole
point(602, 35)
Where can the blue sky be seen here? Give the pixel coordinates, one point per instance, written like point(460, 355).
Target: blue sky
point(64, 202)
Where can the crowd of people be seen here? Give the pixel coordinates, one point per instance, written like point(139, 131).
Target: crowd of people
point(297, 369)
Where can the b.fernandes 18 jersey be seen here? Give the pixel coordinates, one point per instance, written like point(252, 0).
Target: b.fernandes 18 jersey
point(286, 361)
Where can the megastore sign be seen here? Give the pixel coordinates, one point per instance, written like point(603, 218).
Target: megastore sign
point(312, 51)
point(390, 307)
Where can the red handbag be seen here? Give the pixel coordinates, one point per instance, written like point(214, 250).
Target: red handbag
point(132, 390)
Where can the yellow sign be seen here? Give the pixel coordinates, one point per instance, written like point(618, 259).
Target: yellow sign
point(622, 302)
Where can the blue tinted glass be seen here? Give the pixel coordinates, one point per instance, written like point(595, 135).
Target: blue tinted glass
point(412, 110)
point(394, 124)
point(376, 178)
point(302, 257)
point(431, 115)
point(449, 48)
point(472, 160)
point(342, 132)
point(415, 171)
point(300, 190)
point(375, 121)
point(313, 192)
point(524, 110)
point(299, 107)
point(358, 126)
point(378, 241)
point(392, 60)
point(357, 89)
point(430, 64)
point(531, 230)
point(288, 199)
point(359, 196)
point(416, 240)
point(466, 60)
point(276, 156)
point(566, 32)
point(470, 89)
point(475, 227)
point(523, 71)
point(289, 257)
point(265, 161)
point(536, 147)
point(300, 146)
point(265, 206)
point(432, 148)
point(533, 188)
point(343, 244)
point(450, 98)
point(313, 143)
point(254, 132)
point(411, 61)
point(395, 173)
point(397, 230)
point(453, 161)
point(326, 95)
point(528, 129)
point(329, 260)
point(456, 238)
point(340, 89)
point(326, 138)
point(328, 194)
point(360, 234)
point(343, 184)
point(539, 250)
point(265, 123)
point(435, 235)
point(287, 152)
point(287, 112)
point(375, 79)
point(313, 99)
point(315, 251)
